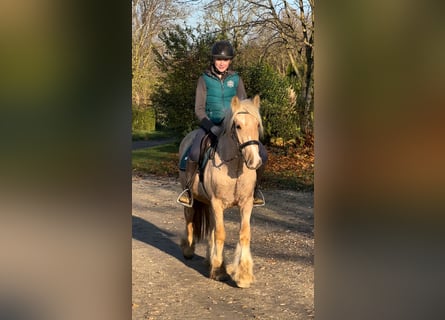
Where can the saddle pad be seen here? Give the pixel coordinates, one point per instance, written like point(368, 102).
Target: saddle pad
point(185, 156)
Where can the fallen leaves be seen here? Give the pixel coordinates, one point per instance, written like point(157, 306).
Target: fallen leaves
point(292, 163)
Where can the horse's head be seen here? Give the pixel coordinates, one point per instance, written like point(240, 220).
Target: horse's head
point(246, 127)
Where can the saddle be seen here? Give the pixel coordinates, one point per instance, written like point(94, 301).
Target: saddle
point(207, 151)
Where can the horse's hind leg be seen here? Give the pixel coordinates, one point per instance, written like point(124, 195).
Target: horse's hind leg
point(188, 242)
point(242, 268)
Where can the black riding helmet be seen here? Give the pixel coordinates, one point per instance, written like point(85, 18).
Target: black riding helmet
point(222, 50)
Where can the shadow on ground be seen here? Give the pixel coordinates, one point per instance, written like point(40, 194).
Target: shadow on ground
point(150, 234)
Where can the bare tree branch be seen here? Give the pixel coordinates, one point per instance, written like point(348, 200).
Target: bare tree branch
point(149, 17)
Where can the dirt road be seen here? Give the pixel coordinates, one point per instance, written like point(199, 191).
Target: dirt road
point(166, 286)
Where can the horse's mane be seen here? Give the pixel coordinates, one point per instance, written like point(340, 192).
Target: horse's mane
point(248, 106)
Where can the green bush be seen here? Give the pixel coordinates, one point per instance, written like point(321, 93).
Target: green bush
point(278, 113)
point(143, 119)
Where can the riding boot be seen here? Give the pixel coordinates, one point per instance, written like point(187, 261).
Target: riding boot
point(258, 197)
point(185, 197)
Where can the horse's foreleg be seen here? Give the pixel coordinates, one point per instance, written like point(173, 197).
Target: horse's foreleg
point(187, 242)
point(242, 268)
point(216, 246)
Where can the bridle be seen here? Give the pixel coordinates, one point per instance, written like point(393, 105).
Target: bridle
point(241, 146)
point(248, 143)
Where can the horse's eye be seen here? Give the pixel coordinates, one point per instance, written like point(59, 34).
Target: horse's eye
point(238, 126)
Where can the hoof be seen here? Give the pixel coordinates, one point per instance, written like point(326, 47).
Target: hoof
point(222, 277)
point(219, 274)
point(187, 251)
point(244, 282)
point(188, 256)
point(243, 285)
point(242, 277)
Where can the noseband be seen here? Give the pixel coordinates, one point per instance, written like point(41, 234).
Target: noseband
point(248, 143)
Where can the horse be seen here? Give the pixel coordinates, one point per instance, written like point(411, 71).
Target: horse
point(229, 178)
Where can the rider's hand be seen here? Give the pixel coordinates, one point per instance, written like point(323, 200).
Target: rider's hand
point(213, 138)
point(214, 132)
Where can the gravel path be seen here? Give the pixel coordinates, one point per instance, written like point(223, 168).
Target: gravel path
point(166, 286)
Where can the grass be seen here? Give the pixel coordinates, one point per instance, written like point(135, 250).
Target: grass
point(160, 160)
point(150, 135)
point(290, 168)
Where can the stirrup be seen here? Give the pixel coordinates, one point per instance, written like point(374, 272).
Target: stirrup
point(186, 191)
point(259, 193)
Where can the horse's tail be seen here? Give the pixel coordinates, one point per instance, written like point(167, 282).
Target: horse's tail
point(201, 220)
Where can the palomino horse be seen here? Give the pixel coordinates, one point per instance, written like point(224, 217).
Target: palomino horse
point(228, 180)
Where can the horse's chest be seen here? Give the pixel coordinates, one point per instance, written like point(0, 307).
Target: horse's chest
point(233, 188)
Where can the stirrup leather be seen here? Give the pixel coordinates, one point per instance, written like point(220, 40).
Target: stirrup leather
point(188, 193)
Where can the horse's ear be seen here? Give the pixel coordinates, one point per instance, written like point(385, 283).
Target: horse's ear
point(256, 101)
point(235, 104)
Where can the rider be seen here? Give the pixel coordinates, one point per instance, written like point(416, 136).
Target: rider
point(215, 90)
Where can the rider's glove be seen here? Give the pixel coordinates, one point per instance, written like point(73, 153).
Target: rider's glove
point(214, 133)
point(206, 124)
point(216, 130)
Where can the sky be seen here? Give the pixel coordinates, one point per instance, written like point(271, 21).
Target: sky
point(197, 11)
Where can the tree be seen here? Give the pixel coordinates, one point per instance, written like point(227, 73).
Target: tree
point(184, 57)
point(291, 27)
point(230, 20)
point(279, 33)
point(149, 17)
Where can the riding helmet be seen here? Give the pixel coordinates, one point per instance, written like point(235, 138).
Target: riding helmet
point(222, 50)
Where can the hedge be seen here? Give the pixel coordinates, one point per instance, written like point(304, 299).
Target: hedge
point(143, 119)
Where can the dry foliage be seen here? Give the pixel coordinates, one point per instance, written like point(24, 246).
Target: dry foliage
point(290, 166)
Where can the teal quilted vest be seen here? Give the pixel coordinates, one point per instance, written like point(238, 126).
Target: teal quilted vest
point(219, 95)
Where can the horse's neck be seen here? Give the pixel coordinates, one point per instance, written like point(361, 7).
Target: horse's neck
point(227, 148)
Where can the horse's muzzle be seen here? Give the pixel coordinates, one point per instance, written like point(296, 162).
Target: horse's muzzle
point(253, 165)
point(252, 159)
